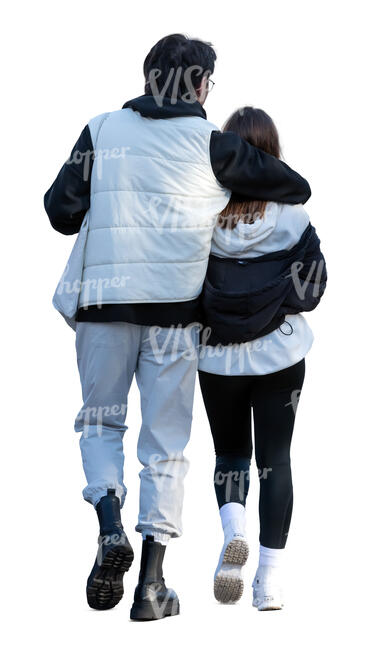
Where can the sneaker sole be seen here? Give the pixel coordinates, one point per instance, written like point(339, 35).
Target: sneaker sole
point(105, 585)
point(228, 584)
point(267, 608)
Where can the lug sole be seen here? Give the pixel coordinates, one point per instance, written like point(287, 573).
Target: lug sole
point(148, 611)
point(228, 590)
point(105, 584)
point(228, 584)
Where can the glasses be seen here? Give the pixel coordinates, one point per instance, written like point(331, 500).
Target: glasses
point(210, 85)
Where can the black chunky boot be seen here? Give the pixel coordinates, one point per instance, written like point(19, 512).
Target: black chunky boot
point(115, 555)
point(152, 599)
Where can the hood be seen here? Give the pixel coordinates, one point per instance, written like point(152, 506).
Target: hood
point(165, 107)
point(245, 237)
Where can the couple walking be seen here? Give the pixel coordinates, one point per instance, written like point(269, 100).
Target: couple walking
point(194, 253)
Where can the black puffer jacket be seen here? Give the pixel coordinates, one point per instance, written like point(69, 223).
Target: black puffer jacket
point(244, 299)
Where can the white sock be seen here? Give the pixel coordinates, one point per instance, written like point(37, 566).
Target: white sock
point(272, 557)
point(162, 538)
point(233, 518)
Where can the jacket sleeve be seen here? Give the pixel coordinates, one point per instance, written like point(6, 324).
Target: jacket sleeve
point(309, 278)
point(253, 174)
point(68, 198)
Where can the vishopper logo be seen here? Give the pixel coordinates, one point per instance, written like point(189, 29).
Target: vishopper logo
point(169, 214)
point(301, 287)
point(236, 355)
point(184, 342)
point(175, 79)
point(91, 416)
point(167, 471)
point(230, 221)
point(178, 342)
point(237, 480)
point(295, 397)
point(86, 287)
point(168, 606)
point(105, 541)
point(99, 155)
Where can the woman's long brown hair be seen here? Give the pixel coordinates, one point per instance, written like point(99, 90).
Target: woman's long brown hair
point(256, 127)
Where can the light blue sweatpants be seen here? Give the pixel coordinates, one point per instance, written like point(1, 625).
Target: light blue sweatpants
point(164, 361)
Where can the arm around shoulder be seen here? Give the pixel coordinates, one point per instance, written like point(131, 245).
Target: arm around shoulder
point(254, 174)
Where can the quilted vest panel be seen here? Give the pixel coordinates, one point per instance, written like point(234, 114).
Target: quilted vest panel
point(153, 207)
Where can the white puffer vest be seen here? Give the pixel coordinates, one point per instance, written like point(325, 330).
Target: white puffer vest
point(153, 207)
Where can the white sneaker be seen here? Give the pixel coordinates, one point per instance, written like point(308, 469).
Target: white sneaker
point(228, 582)
point(267, 591)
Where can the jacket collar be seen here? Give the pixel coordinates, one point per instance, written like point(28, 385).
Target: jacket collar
point(164, 107)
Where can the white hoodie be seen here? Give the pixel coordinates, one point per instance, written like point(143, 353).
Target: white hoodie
point(279, 229)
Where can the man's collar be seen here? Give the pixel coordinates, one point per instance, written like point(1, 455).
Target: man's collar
point(165, 107)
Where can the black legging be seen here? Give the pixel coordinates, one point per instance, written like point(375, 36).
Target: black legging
point(229, 401)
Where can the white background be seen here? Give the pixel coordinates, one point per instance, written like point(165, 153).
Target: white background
point(311, 66)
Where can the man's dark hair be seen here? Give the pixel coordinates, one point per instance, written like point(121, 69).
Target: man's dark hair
point(176, 65)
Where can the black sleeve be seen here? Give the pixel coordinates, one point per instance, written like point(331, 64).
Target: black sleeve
point(68, 198)
point(253, 174)
point(309, 278)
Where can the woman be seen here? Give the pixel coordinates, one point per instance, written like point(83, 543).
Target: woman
point(265, 268)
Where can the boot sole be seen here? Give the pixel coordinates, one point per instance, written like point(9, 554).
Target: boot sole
point(105, 587)
point(228, 584)
point(147, 611)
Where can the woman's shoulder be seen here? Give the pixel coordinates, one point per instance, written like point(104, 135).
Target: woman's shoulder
point(291, 213)
point(287, 213)
point(290, 223)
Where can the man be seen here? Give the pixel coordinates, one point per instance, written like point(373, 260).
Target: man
point(146, 184)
